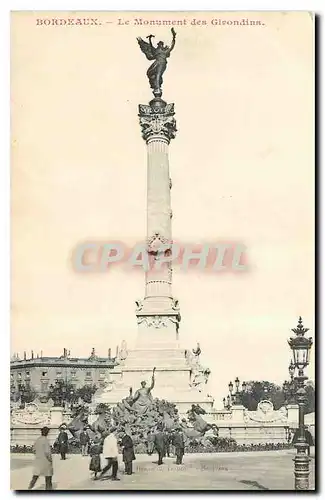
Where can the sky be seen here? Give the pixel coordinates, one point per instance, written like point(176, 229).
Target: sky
point(242, 167)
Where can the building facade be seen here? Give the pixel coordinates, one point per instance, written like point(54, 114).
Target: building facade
point(39, 372)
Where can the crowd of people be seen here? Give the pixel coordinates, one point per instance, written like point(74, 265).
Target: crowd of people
point(103, 451)
point(158, 430)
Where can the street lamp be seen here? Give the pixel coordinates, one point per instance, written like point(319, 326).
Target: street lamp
point(285, 388)
point(301, 346)
point(291, 369)
point(235, 398)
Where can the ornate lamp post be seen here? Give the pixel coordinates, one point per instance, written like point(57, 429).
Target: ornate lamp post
point(235, 399)
point(291, 369)
point(286, 391)
point(227, 403)
point(301, 346)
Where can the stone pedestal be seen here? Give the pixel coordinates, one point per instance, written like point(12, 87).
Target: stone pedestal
point(293, 415)
point(238, 413)
point(56, 416)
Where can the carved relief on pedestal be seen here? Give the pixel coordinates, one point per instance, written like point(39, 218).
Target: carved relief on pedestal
point(157, 121)
point(156, 241)
point(30, 415)
point(175, 305)
point(155, 321)
point(176, 321)
point(139, 304)
point(265, 413)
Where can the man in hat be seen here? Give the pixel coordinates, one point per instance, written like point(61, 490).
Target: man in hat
point(43, 460)
point(84, 441)
point(160, 444)
point(178, 442)
point(62, 441)
point(110, 452)
point(128, 451)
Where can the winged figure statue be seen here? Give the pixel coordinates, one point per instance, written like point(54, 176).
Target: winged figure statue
point(159, 55)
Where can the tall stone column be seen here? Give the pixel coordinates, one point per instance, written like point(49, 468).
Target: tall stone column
point(158, 314)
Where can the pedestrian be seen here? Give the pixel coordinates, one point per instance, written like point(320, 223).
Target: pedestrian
point(309, 439)
point(171, 446)
point(128, 452)
point(167, 443)
point(110, 452)
point(43, 465)
point(63, 442)
point(160, 444)
point(150, 442)
point(95, 450)
point(84, 442)
point(179, 443)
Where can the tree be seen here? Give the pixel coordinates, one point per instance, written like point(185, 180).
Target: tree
point(62, 392)
point(310, 395)
point(86, 393)
point(258, 390)
point(65, 392)
point(26, 393)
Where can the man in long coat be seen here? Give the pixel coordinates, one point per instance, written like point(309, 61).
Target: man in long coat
point(43, 460)
point(63, 442)
point(128, 452)
point(160, 445)
point(178, 442)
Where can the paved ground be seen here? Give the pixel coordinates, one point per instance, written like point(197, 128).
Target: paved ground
point(254, 471)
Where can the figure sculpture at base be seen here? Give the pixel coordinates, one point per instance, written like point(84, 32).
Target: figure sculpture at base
point(142, 400)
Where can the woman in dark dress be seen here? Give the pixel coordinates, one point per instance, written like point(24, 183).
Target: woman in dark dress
point(128, 453)
point(95, 451)
point(62, 441)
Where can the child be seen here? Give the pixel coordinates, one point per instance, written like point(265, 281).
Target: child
point(95, 451)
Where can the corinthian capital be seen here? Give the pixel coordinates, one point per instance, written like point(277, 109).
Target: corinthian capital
point(157, 120)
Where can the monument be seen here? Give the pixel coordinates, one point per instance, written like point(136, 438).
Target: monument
point(179, 377)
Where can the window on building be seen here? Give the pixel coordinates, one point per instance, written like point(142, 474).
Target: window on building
point(88, 374)
point(102, 374)
point(27, 374)
point(44, 386)
point(19, 376)
point(59, 373)
point(73, 374)
point(44, 374)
